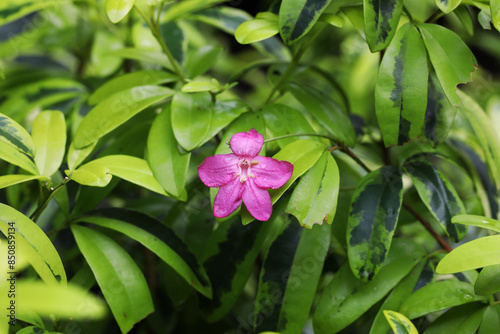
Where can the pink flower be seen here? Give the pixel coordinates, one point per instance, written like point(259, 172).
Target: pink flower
point(244, 175)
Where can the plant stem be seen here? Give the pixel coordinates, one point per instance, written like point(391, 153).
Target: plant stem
point(444, 245)
point(155, 30)
point(44, 201)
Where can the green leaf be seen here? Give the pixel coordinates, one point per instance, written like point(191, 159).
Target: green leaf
point(34, 244)
point(438, 296)
point(14, 134)
point(495, 13)
point(18, 158)
point(11, 10)
point(282, 120)
point(175, 39)
point(118, 9)
point(224, 112)
point(289, 278)
point(478, 253)
point(9, 180)
point(143, 55)
point(191, 118)
point(168, 165)
point(256, 30)
point(129, 168)
point(396, 298)
point(488, 281)
point(116, 110)
point(158, 238)
point(229, 257)
point(372, 220)
point(200, 86)
point(179, 9)
point(381, 20)
point(346, 298)
point(439, 114)
point(463, 319)
point(314, 199)
point(200, 60)
point(128, 81)
point(75, 156)
point(303, 154)
point(32, 330)
point(447, 6)
point(399, 323)
point(490, 322)
point(49, 135)
point(438, 195)
point(297, 17)
point(465, 18)
point(451, 58)
point(60, 301)
point(485, 133)
point(479, 221)
point(93, 174)
point(326, 111)
point(121, 281)
point(401, 89)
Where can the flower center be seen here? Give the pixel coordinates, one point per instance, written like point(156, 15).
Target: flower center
point(244, 166)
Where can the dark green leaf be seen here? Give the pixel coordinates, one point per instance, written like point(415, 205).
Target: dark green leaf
point(121, 281)
point(314, 199)
point(490, 323)
point(346, 298)
point(465, 18)
point(488, 281)
point(157, 237)
point(463, 319)
point(438, 296)
point(200, 60)
point(451, 58)
point(438, 195)
point(401, 90)
point(175, 39)
point(381, 22)
point(289, 278)
point(372, 220)
point(297, 17)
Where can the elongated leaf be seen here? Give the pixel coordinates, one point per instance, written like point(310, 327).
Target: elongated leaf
point(465, 18)
point(179, 9)
point(475, 254)
point(157, 237)
point(118, 9)
point(121, 281)
point(200, 60)
point(14, 134)
point(303, 154)
point(132, 169)
point(401, 90)
point(15, 157)
point(228, 19)
point(438, 296)
point(314, 200)
point(372, 220)
point(199, 86)
point(439, 114)
point(49, 134)
point(116, 110)
point(168, 165)
point(381, 22)
point(191, 118)
point(282, 120)
point(62, 301)
point(128, 81)
point(451, 58)
point(224, 112)
point(438, 195)
point(93, 174)
point(297, 17)
point(256, 30)
point(461, 319)
point(495, 13)
point(490, 322)
point(399, 323)
point(76, 157)
point(479, 221)
point(143, 55)
point(396, 298)
point(326, 111)
point(346, 298)
point(230, 254)
point(447, 6)
point(9, 180)
point(11, 10)
point(488, 281)
point(485, 133)
point(35, 245)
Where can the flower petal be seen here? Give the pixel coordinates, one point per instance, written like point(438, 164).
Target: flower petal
point(228, 199)
point(218, 170)
point(257, 201)
point(246, 144)
point(271, 173)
